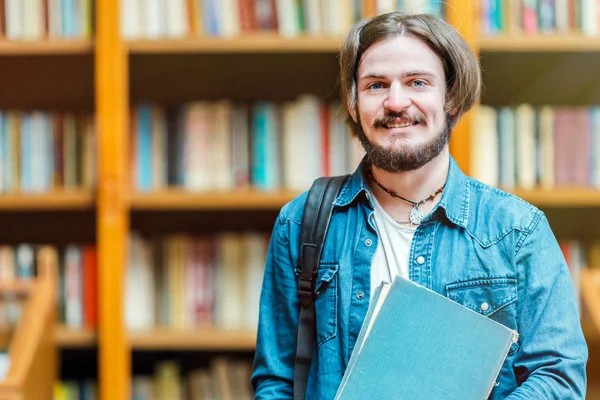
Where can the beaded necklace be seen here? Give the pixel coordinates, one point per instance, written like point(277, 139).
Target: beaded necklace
point(416, 215)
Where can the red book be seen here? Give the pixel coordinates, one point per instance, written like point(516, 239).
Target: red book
point(90, 287)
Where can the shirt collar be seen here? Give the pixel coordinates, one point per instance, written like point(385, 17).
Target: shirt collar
point(454, 201)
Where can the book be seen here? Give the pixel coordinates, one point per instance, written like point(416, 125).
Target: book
point(417, 344)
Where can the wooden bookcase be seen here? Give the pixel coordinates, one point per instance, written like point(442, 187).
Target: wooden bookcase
point(109, 74)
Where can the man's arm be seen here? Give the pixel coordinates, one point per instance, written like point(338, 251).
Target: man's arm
point(273, 373)
point(553, 354)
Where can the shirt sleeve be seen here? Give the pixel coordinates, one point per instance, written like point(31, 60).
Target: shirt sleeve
point(273, 370)
point(551, 361)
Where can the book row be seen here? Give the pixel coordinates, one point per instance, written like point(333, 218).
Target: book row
point(203, 146)
point(227, 18)
point(223, 379)
point(190, 282)
point(76, 269)
point(43, 151)
point(46, 19)
point(534, 17)
point(179, 281)
point(524, 146)
point(76, 390)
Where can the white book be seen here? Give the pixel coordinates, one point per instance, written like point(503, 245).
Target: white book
point(561, 16)
point(416, 6)
point(177, 18)
point(312, 17)
point(484, 146)
point(73, 287)
point(291, 150)
point(154, 21)
point(286, 18)
point(229, 18)
point(386, 6)
point(130, 23)
point(196, 150)
point(139, 286)
point(547, 147)
point(15, 20)
point(38, 151)
point(240, 146)
point(228, 285)
point(33, 19)
point(312, 134)
point(526, 153)
point(507, 147)
point(589, 17)
point(85, 18)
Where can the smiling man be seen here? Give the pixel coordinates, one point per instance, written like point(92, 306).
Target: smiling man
point(408, 210)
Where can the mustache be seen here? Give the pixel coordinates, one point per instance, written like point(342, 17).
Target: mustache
point(389, 117)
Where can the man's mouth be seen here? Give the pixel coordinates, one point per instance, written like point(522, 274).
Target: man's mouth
point(399, 124)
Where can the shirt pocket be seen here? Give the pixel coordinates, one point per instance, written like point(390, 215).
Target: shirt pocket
point(495, 298)
point(326, 302)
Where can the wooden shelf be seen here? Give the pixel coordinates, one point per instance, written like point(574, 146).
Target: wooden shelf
point(45, 47)
point(67, 337)
point(273, 43)
point(174, 199)
point(539, 43)
point(253, 43)
point(59, 200)
point(575, 197)
point(201, 339)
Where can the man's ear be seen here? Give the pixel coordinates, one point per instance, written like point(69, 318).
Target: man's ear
point(352, 112)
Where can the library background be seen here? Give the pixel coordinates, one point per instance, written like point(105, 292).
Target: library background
point(146, 147)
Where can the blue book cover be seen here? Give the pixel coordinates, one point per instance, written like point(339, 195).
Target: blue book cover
point(417, 344)
point(144, 147)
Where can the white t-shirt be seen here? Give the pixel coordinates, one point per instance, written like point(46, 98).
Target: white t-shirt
point(393, 250)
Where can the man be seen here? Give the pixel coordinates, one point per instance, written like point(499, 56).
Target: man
point(408, 210)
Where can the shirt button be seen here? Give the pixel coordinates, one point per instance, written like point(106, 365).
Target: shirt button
point(484, 306)
point(360, 295)
point(420, 260)
point(368, 242)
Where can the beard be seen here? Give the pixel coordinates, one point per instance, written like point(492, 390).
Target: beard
point(406, 159)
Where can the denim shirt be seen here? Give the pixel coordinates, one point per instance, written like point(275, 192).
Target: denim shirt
point(478, 245)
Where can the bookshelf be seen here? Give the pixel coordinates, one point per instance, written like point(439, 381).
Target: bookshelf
point(109, 74)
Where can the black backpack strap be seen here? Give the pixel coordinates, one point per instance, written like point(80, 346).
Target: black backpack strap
point(315, 221)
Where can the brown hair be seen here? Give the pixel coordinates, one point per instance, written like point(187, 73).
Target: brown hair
point(461, 67)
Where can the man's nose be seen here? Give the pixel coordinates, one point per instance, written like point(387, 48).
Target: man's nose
point(397, 99)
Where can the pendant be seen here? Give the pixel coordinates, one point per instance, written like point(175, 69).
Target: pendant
point(416, 216)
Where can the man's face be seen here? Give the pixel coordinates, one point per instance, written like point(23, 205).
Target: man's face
point(401, 95)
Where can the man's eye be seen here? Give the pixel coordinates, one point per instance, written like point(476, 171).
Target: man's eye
point(419, 83)
point(375, 86)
